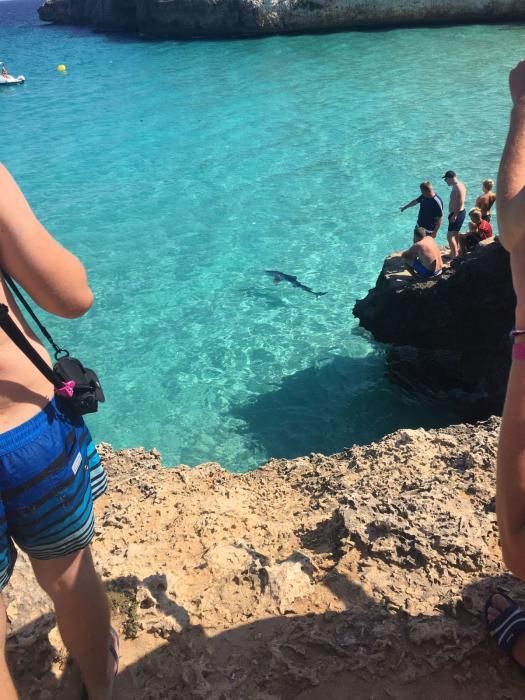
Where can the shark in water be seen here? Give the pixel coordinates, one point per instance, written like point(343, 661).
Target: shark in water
point(283, 277)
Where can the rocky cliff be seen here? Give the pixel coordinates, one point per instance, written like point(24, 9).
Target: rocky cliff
point(358, 575)
point(449, 333)
point(233, 18)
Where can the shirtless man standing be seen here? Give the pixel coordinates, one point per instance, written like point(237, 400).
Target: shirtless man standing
point(424, 257)
point(50, 471)
point(456, 210)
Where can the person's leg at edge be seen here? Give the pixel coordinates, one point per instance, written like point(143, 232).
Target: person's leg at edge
point(462, 244)
point(83, 617)
point(7, 689)
point(452, 238)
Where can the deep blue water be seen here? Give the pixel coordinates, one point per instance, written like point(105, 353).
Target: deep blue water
point(179, 171)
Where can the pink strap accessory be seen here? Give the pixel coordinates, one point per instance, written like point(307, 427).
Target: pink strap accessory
point(66, 389)
point(518, 351)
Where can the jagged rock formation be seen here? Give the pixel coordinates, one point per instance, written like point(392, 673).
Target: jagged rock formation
point(234, 18)
point(366, 571)
point(451, 332)
point(111, 15)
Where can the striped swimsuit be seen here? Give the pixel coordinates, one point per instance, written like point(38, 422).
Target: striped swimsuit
point(50, 474)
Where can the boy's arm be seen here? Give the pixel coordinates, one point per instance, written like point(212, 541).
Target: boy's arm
point(51, 275)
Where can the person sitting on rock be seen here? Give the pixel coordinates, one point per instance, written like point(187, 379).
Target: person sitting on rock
point(486, 200)
point(479, 230)
point(424, 257)
point(505, 619)
point(430, 213)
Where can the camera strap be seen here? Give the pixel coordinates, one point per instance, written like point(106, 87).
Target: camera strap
point(16, 335)
point(43, 329)
point(74, 383)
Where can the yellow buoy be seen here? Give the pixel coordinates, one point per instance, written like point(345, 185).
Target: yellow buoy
point(61, 68)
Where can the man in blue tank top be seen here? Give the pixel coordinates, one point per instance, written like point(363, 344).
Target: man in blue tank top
point(430, 213)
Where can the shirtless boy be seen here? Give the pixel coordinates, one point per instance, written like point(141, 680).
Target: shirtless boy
point(486, 201)
point(50, 472)
point(456, 210)
point(424, 257)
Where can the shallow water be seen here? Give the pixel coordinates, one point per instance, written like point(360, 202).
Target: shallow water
point(178, 172)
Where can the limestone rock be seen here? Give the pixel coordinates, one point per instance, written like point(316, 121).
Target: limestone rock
point(289, 581)
point(457, 324)
point(365, 570)
point(227, 18)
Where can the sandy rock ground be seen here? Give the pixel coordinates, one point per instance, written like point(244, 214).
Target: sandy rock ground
point(360, 575)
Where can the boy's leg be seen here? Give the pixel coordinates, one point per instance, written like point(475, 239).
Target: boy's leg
point(462, 246)
point(452, 237)
point(83, 616)
point(7, 689)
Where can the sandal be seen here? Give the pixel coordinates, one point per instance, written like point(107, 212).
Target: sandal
point(113, 650)
point(507, 626)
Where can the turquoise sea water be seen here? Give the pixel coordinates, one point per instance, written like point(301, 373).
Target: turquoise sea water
point(179, 171)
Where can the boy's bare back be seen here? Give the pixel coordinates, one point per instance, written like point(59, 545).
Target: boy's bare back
point(54, 278)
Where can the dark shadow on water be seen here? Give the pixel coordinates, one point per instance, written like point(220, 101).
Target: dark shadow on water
point(129, 37)
point(338, 403)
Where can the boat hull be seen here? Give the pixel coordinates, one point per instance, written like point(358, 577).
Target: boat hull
point(10, 80)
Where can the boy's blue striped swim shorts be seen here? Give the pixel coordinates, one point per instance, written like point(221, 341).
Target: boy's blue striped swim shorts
point(50, 474)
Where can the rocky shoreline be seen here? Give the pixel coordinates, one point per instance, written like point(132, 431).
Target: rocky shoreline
point(366, 570)
point(362, 574)
point(448, 335)
point(188, 19)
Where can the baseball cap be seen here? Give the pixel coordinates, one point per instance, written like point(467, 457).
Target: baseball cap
point(449, 173)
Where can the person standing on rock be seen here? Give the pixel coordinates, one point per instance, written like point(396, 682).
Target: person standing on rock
point(50, 471)
point(430, 213)
point(456, 210)
point(486, 200)
point(506, 621)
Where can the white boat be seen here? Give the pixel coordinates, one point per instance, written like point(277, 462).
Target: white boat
point(11, 80)
point(6, 79)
